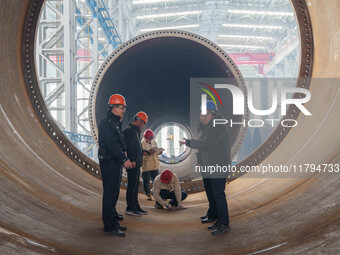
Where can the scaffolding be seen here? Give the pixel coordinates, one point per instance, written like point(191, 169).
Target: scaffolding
point(76, 36)
point(74, 39)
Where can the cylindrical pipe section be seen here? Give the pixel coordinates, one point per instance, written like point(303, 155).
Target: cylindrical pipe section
point(153, 72)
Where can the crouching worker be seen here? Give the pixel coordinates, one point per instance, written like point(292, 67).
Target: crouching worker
point(166, 186)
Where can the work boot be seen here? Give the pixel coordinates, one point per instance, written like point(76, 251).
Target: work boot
point(114, 231)
point(221, 229)
point(214, 226)
point(149, 197)
point(205, 216)
point(121, 228)
point(209, 219)
point(141, 211)
point(120, 217)
point(133, 213)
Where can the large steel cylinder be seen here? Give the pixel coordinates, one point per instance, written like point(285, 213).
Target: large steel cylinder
point(153, 72)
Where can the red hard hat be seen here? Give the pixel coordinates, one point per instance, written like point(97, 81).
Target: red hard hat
point(143, 116)
point(117, 99)
point(166, 176)
point(148, 134)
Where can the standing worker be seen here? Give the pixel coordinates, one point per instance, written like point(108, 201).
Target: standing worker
point(150, 160)
point(213, 149)
point(112, 156)
point(135, 154)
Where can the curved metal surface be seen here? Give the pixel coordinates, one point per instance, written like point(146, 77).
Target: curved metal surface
point(176, 47)
point(50, 205)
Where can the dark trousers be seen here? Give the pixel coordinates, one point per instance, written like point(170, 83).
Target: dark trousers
point(166, 194)
point(133, 175)
point(146, 179)
point(111, 175)
point(212, 211)
point(218, 207)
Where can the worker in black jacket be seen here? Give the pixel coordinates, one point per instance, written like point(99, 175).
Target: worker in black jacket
point(112, 156)
point(135, 154)
point(213, 149)
point(211, 214)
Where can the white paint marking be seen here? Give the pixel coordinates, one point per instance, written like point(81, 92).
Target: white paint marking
point(268, 249)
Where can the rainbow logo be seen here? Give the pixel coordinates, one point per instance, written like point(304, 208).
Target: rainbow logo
point(210, 94)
